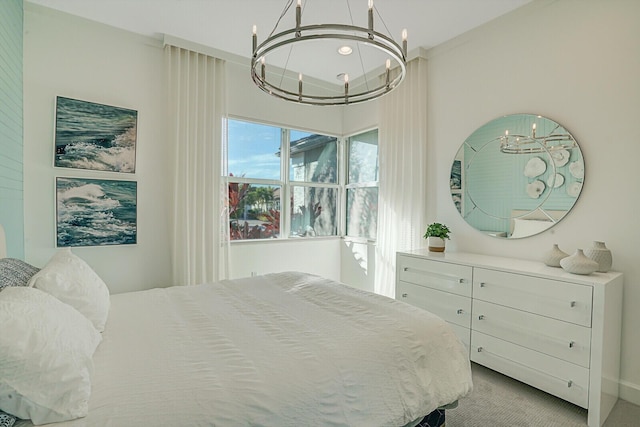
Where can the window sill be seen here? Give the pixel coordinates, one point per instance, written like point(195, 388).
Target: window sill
point(284, 240)
point(363, 240)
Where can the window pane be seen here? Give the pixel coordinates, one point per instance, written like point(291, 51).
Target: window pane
point(254, 211)
point(363, 157)
point(362, 212)
point(313, 158)
point(253, 150)
point(313, 211)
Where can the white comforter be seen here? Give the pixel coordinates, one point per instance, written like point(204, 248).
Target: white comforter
point(284, 349)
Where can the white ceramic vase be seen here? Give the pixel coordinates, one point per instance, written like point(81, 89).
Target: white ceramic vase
point(436, 244)
point(552, 258)
point(600, 254)
point(578, 263)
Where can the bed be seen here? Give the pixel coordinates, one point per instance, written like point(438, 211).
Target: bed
point(285, 349)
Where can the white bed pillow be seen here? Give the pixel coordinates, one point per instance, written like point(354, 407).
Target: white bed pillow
point(71, 280)
point(528, 227)
point(46, 365)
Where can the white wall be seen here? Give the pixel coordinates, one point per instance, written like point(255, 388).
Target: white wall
point(576, 62)
point(316, 256)
point(76, 58)
point(358, 264)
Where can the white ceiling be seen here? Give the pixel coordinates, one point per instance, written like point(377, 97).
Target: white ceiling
point(227, 24)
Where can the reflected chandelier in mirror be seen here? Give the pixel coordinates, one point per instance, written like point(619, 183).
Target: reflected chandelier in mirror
point(517, 176)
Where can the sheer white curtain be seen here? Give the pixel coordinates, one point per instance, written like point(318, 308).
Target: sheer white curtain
point(197, 106)
point(402, 184)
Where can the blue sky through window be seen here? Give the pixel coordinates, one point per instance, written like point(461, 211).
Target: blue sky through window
point(253, 149)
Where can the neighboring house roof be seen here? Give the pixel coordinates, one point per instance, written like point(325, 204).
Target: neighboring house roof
point(308, 143)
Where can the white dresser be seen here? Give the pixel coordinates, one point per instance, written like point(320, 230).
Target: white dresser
point(556, 331)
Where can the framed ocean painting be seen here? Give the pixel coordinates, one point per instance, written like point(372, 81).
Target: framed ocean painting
point(95, 136)
point(95, 212)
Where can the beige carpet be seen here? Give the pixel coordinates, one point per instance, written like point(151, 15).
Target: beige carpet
point(499, 401)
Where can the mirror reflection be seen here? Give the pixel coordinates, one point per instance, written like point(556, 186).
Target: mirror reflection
point(517, 176)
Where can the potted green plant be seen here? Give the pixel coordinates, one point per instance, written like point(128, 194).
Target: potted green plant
point(436, 234)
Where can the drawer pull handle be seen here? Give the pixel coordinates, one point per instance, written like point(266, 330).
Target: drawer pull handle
point(480, 349)
point(569, 383)
point(460, 311)
point(481, 317)
point(405, 295)
point(460, 280)
point(483, 284)
point(406, 269)
point(572, 304)
point(571, 344)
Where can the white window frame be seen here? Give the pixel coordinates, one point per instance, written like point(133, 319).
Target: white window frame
point(346, 185)
point(286, 184)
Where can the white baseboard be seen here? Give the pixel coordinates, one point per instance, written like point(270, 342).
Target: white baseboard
point(630, 392)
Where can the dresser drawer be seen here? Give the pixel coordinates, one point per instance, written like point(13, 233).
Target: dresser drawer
point(443, 276)
point(553, 298)
point(563, 340)
point(451, 307)
point(558, 377)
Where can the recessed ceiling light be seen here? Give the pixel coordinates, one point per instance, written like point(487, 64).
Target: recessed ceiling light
point(345, 50)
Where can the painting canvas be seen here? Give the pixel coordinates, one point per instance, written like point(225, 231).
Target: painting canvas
point(95, 212)
point(456, 175)
point(95, 136)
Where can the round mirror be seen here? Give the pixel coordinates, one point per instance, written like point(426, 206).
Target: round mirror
point(517, 176)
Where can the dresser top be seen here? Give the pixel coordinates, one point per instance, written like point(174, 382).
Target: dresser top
point(514, 265)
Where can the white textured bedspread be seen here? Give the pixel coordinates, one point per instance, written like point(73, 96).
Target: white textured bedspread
point(285, 349)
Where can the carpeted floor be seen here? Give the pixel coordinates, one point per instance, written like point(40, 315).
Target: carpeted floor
point(499, 401)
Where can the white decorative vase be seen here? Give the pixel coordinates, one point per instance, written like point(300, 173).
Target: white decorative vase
point(600, 254)
point(578, 263)
point(552, 258)
point(436, 244)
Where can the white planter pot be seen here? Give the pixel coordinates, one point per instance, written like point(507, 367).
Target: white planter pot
point(436, 244)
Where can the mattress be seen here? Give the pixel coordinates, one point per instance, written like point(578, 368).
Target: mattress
point(286, 349)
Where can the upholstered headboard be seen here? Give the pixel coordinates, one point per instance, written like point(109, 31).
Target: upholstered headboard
point(3, 243)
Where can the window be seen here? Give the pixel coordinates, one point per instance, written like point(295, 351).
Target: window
point(313, 169)
point(255, 184)
point(267, 165)
point(362, 185)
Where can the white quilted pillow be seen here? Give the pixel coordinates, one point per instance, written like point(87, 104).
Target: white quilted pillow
point(71, 280)
point(46, 365)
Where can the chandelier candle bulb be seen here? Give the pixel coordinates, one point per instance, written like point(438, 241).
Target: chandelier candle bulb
point(262, 67)
point(404, 42)
point(300, 86)
point(346, 88)
point(370, 17)
point(388, 69)
point(533, 130)
point(254, 38)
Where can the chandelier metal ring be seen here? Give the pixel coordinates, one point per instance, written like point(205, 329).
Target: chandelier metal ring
point(337, 32)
